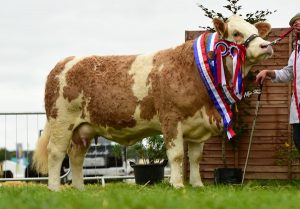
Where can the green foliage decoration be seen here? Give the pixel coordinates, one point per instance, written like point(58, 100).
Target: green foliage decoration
point(150, 150)
point(234, 8)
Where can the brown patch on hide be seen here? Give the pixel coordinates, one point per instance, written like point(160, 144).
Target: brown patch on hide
point(70, 93)
point(148, 110)
point(178, 89)
point(52, 88)
point(83, 114)
point(210, 55)
point(71, 127)
point(107, 86)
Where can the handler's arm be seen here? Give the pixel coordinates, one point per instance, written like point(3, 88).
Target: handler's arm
point(283, 75)
point(262, 75)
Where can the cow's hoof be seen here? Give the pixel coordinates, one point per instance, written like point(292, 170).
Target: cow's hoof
point(177, 185)
point(197, 184)
point(78, 186)
point(54, 188)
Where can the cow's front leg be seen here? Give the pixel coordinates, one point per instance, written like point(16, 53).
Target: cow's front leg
point(175, 155)
point(195, 153)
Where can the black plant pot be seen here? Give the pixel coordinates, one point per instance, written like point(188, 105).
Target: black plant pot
point(148, 173)
point(228, 175)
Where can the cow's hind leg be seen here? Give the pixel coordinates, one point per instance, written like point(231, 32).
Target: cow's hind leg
point(81, 140)
point(195, 153)
point(57, 148)
point(76, 156)
point(175, 157)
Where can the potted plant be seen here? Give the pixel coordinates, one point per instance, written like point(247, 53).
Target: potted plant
point(151, 158)
point(227, 175)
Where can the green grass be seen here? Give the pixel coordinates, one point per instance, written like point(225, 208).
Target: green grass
point(263, 194)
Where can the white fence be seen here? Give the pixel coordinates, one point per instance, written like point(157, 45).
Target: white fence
point(19, 133)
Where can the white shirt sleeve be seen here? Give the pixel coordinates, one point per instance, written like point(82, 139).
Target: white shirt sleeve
point(285, 74)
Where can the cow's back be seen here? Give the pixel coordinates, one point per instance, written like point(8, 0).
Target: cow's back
point(100, 88)
point(130, 96)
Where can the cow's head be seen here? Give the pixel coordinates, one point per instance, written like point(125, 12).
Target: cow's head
point(239, 31)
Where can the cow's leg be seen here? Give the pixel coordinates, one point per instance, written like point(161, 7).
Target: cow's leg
point(175, 157)
point(57, 148)
point(195, 153)
point(81, 140)
point(77, 155)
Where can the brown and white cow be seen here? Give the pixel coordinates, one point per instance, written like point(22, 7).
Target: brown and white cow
point(126, 98)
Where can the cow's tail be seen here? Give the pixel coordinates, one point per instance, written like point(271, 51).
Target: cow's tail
point(40, 155)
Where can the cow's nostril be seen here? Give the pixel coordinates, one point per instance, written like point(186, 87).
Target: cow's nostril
point(264, 45)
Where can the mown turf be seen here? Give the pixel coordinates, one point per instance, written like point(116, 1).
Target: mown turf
point(269, 195)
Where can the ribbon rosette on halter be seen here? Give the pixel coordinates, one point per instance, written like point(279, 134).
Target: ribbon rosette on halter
point(222, 92)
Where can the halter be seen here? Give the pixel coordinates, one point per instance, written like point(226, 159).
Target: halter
point(248, 40)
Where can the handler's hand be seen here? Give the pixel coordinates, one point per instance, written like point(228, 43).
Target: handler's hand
point(262, 75)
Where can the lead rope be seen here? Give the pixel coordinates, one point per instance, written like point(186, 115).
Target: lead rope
point(282, 36)
point(252, 131)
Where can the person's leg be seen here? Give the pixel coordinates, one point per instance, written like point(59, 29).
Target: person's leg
point(296, 135)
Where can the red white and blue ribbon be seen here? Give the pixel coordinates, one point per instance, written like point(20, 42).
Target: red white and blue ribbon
point(238, 54)
point(213, 75)
point(222, 50)
point(233, 91)
point(213, 90)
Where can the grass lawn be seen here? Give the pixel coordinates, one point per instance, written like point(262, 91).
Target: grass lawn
point(262, 194)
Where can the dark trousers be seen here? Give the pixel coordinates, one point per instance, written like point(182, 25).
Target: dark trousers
point(296, 135)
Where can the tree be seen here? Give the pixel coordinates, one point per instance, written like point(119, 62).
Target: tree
point(234, 8)
point(6, 155)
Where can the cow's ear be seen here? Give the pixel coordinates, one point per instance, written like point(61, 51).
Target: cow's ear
point(220, 26)
point(263, 28)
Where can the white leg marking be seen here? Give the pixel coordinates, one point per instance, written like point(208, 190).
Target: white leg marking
point(175, 156)
point(195, 153)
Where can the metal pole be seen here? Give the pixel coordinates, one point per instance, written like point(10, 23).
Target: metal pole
point(252, 131)
point(33, 178)
point(22, 113)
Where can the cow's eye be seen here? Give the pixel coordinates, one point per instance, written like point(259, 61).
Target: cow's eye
point(236, 34)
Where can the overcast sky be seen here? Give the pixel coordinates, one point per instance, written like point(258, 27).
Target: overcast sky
point(36, 34)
